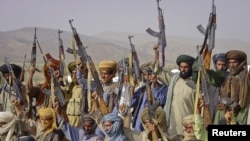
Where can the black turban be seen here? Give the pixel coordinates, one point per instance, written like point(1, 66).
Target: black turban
point(16, 69)
point(185, 58)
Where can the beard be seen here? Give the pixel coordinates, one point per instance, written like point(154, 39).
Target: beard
point(74, 80)
point(185, 75)
point(46, 126)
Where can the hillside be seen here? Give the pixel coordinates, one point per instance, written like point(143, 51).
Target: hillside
point(109, 45)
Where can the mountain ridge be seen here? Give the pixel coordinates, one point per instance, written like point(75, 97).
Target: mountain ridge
point(105, 45)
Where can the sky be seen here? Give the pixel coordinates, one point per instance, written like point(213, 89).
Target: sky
point(133, 16)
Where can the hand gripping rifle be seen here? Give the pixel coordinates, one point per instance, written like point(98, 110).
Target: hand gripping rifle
point(204, 89)
point(99, 89)
point(84, 57)
point(152, 106)
point(16, 82)
point(55, 87)
point(160, 35)
point(123, 95)
point(135, 59)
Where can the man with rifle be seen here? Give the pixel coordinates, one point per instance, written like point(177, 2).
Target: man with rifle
point(42, 92)
point(11, 86)
point(107, 70)
point(139, 100)
point(76, 106)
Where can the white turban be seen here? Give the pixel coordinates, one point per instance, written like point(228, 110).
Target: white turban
point(10, 119)
point(6, 116)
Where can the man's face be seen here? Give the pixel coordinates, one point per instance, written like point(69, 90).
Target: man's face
point(233, 64)
point(185, 70)
point(105, 74)
point(184, 67)
point(189, 128)
point(46, 123)
point(147, 75)
point(221, 65)
point(107, 125)
point(87, 126)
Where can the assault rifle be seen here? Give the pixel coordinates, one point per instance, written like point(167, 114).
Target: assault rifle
point(209, 34)
point(204, 88)
point(84, 57)
point(55, 87)
point(61, 55)
point(33, 51)
point(160, 35)
point(81, 48)
point(123, 95)
point(23, 70)
point(152, 104)
point(135, 59)
point(16, 82)
point(99, 89)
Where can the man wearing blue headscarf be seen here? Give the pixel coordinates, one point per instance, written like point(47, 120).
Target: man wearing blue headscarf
point(113, 127)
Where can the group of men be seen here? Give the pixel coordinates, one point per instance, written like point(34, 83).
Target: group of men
point(160, 106)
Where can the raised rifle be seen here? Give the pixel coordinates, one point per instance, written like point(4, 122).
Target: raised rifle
point(152, 106)
point(23, 69)
point(99, 89)
point(81, 48)
point(162, 43)
point(123, 95)
point(62, 68)
point(16, 83)
point(202, 87)
point(33, 51)
point(135, 59)
point(55, 87)
point(204, 59)
point(209, 34)
point(73, 49)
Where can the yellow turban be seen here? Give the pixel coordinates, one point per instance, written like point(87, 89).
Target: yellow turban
point(48, 113)
point(110, 66)
point(107, 65)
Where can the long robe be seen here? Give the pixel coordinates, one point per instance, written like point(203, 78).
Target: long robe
point(180, 103)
